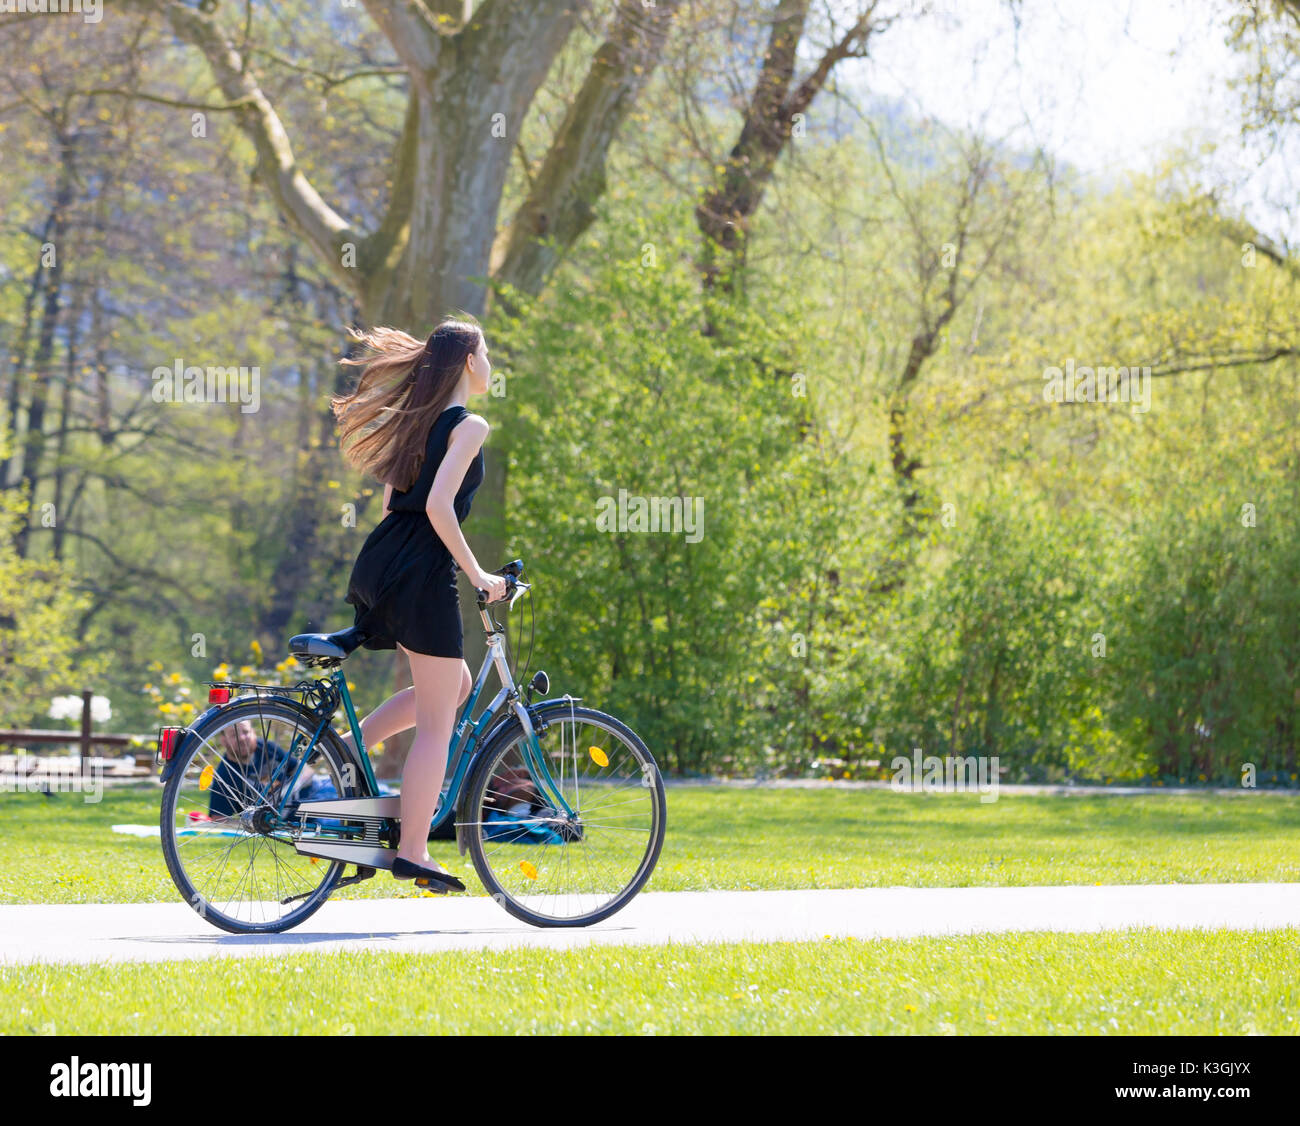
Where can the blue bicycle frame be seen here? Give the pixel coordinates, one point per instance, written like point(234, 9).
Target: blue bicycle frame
point(465, 736)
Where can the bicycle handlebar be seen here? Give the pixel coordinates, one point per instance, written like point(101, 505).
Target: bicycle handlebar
point(514, 587)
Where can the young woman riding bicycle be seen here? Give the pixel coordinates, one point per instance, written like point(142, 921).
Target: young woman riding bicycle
point(406, 423)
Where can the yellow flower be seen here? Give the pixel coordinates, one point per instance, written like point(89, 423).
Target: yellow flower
point(175, 678)
point(256, 647)
point(909, 1008)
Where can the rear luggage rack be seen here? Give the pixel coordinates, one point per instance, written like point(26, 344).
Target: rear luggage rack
point(320, 697)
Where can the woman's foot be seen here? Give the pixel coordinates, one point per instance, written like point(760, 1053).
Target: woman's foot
point(428, 874)
point(424, 861)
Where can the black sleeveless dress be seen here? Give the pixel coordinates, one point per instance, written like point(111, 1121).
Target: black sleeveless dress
point(403, 582)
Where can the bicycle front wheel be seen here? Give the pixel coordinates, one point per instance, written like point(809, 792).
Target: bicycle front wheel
point(544, 865)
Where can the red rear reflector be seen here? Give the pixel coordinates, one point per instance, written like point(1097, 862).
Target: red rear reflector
point(167, 742)
point(218, 695)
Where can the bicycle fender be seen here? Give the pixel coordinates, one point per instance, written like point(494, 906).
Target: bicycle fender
point(191, 732)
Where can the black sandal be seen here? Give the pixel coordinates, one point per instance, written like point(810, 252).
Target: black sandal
point(428, 878)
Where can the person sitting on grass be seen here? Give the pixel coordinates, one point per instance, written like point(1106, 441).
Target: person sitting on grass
point(251, 766)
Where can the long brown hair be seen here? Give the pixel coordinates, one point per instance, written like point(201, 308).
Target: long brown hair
point(404, 385)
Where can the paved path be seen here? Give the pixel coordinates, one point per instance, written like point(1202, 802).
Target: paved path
point(168, 931)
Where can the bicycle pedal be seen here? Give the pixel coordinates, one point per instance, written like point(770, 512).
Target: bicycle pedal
point(429, 885)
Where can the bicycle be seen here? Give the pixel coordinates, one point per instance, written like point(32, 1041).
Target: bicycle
point(274, 833)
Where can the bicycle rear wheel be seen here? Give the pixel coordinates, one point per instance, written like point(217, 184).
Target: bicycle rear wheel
point(230, 856)
point(550, 869)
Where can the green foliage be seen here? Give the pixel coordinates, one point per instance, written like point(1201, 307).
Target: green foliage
point(1063, 608)
point(709, 647)
point(1206, 671)
point(40, 613)
point(991, 650)
point(1091, 605)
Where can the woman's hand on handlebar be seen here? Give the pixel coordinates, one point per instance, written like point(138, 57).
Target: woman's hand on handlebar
point(494, 585)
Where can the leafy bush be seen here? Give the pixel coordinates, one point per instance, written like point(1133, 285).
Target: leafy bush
point(715, 645)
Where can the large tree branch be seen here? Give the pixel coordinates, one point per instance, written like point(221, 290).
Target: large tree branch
point(559, 201)
point(506, 50)
point(852, 44)
point(413, 32)
point(926, 339)
point(762, 135)
point(385, 246)
point(1242, 233)
point(723, 215)
point(297, 200)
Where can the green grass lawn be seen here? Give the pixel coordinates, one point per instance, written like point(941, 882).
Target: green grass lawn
point(1121, 983)
point(62, 850)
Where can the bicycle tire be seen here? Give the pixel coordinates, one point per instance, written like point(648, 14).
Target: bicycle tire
point(503, 737)
point(247, 708)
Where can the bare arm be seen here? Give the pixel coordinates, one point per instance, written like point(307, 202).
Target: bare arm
point(388, 495)
point(463, 445)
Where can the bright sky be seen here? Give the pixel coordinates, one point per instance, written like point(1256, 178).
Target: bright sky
point(1107, 85)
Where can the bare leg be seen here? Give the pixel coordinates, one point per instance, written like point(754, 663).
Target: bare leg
point(395, 714)
point(440, 687)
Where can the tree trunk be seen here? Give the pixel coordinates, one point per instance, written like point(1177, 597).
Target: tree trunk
point(34, 440)
point(725, 212)
point(18, 369)
point(65, 419)
point(472, 77)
